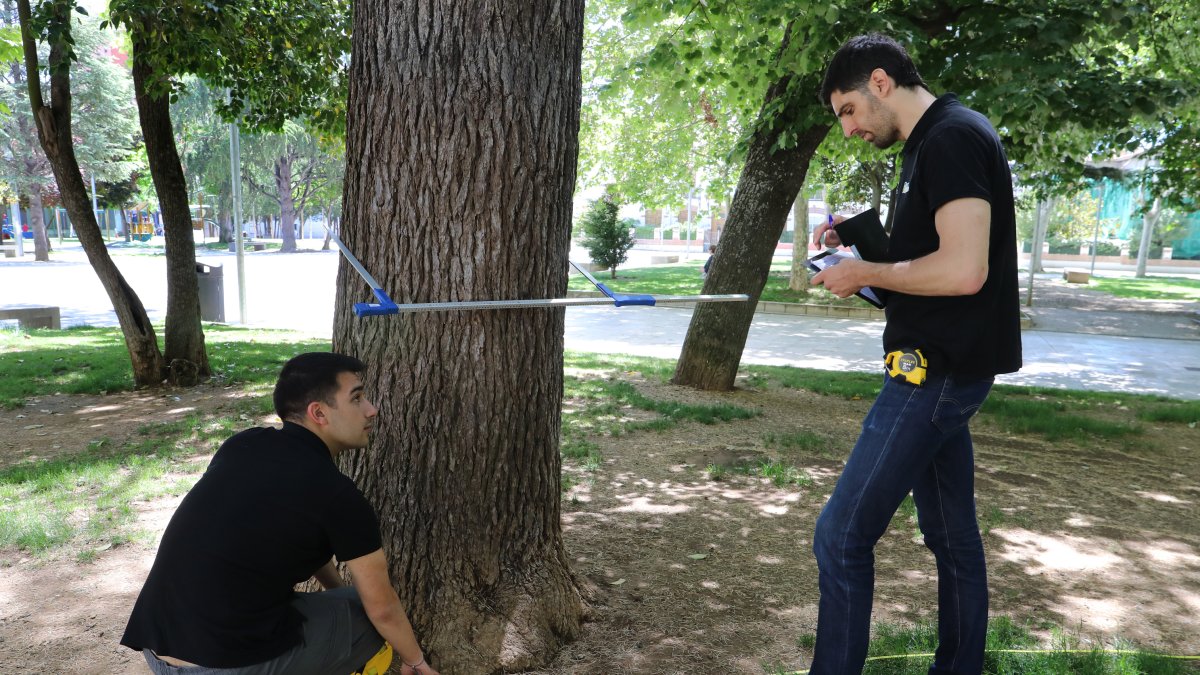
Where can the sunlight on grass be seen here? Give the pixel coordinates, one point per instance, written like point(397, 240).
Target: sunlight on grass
point(1149, 288)
point(852, 386)
point(90, 360)
point(1013, 650)
point(89, 497)
point(684, 279)
point(1053, 419)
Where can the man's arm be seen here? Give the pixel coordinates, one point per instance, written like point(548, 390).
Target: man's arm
point(385, 611)
point(958, 267)
point(328, 576)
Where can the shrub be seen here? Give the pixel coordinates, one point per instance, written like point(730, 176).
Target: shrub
point(606, 239)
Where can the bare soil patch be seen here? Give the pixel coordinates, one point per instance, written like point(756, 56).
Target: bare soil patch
point(686, 574)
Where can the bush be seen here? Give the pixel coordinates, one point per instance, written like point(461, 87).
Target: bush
point(606, 239)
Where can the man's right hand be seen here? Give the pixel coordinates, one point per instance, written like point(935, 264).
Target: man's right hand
point(422, 669)
point(832, 240)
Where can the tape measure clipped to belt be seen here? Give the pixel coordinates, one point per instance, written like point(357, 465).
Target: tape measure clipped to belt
point(907, 365)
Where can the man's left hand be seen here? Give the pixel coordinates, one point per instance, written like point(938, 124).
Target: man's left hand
point(843, 279)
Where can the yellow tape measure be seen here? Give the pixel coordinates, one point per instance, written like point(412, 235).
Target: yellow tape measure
point(907, 365)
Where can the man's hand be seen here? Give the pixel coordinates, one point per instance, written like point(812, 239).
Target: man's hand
point(843, 279)
point(421, 669)
point(383, 608)
point(826, 228)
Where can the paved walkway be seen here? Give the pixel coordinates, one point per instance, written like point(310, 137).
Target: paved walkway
point(297, 292)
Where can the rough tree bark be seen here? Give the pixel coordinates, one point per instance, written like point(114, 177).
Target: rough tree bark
point(184, 353)
point(765, 192)
point(462, 142)
point(54, 134)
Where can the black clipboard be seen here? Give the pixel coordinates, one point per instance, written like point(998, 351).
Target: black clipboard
point(865, 233)
point(830, 258)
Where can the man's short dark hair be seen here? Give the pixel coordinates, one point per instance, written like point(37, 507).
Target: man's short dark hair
point(311, 377)
point(852, 65)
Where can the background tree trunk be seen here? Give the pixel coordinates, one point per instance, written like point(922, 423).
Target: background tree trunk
point(186, 359)
point(37, 223)
point(54, 134)
point(766, 190)
point(798, 278)
point(462, 142)
point(1149, 220)
point(287, 205)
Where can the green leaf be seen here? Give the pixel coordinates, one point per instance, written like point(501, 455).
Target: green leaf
point(698, 556)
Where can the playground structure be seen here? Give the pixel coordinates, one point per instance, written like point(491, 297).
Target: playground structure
point(140, 223)
point(203, 217)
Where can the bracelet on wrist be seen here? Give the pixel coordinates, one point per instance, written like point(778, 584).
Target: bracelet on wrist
point(416, 665)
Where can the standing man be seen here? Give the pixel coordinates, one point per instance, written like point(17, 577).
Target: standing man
point(271, 511)
point(950, 282)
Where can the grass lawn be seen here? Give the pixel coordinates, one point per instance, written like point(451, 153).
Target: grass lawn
point(1149, 288)
point(88, 360)
point(684, 279)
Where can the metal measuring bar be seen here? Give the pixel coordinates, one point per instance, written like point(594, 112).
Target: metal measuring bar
point(387, 306)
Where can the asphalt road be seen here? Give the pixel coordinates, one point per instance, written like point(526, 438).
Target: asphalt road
point(297, 292)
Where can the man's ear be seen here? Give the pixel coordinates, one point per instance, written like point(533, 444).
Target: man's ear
point(880, 83)
point(315, 412)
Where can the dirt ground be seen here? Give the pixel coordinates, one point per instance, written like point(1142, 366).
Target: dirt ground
point(686, 574)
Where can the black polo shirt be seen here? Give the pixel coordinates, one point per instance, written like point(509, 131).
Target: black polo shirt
point(271, 509)
point(954, 153)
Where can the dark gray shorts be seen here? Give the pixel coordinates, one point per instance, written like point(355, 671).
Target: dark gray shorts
point(338, 638)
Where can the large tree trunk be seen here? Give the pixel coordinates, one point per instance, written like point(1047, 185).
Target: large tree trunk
point(37, 223)
point(186, 359)
point(766, 190)
point(287, 205)
point(54, 134)
point(461, 143)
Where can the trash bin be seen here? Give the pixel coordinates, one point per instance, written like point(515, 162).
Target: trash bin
point(210, 279)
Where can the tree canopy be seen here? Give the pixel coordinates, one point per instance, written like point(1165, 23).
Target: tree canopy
point(280, 59)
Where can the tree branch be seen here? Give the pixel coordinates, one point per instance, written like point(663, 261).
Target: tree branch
point(33, 81)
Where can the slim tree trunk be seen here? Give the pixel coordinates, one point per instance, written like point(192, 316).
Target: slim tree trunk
point(768, 186)
point(462, 138)
point(766, 190)
point(1045, 209)
point(37, 223)
point(328, 228)
point(54, 134)
point(186, 359)
point(1149, 220)
point(798, 279)
point(287, 205)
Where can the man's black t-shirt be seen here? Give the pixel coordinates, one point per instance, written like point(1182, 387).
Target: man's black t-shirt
point(954, 153)
point(271, 509)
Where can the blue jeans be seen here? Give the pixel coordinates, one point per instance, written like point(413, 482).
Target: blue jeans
point(913, 439)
